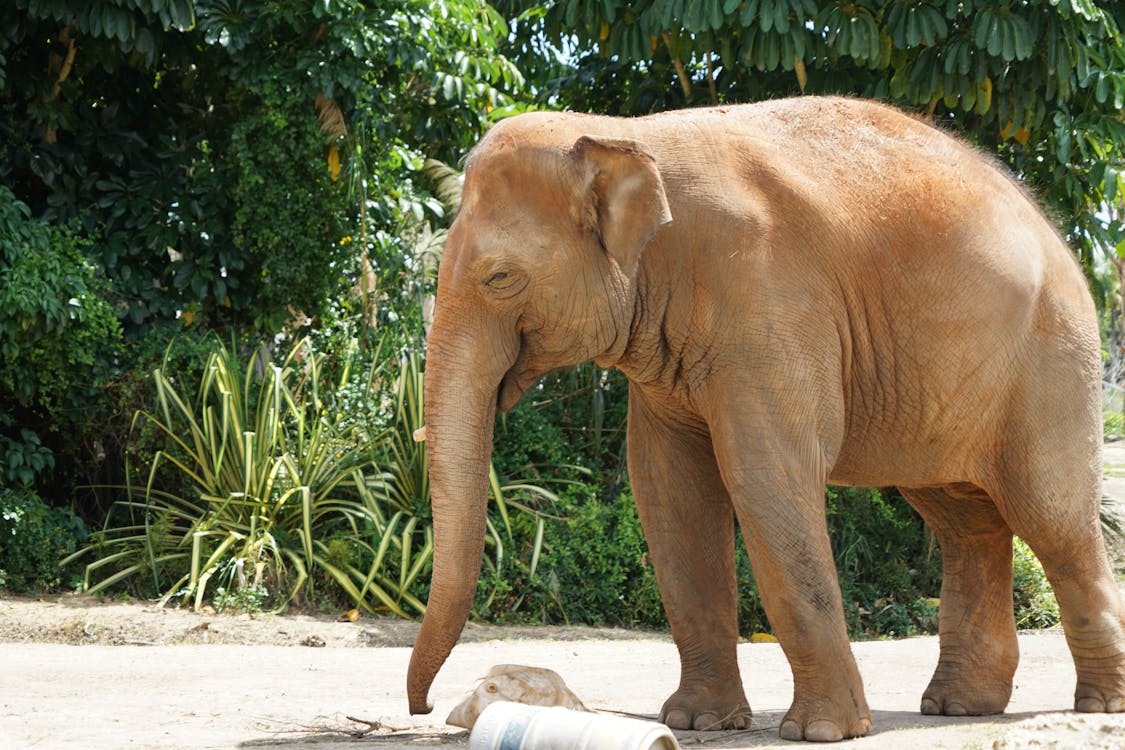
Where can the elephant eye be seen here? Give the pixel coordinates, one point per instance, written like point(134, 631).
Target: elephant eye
point(505, 284)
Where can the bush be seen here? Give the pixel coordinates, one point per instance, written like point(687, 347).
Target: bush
point(570, 426)
point(290, 212)
point(59, 339)
point(33, 539)
point(260, 486)
point(1033, 600)
point(889, 566)
point(592, 568)
point(248, 466)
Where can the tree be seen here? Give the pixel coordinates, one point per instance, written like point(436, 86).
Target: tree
point(1041, 84)
point(212, 165)
point(216, 152)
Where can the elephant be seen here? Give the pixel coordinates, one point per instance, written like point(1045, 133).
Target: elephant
point(800, 291)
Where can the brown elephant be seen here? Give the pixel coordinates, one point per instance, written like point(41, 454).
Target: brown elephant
point(800, 292)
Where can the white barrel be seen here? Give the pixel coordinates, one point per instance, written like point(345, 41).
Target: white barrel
point(515, 726)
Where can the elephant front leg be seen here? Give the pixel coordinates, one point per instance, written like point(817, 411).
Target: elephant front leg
point(689, 526)
point(777, 487)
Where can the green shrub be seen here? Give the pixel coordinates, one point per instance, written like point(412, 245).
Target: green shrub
point(59, 338)
point(290, 212)
point(248, 467)
point(600, 559)
point(570, 426)
point(1033, 600)
point(33, 539)
point(1113, 425)
point(262, 486)
point(22, 457)
point(889, 566)
point(593, 568)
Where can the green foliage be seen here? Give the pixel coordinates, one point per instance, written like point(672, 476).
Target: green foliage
point(249, 468)
point(53, 318)
point(33, 539)
point(1113, 425)
point(1042, 84)
point(58, 340)
point(887, 563)
point(570, 425)
point(290, 212)
point(22, 458)
point(207, 148)
point(249, 598)
point(230, 166)
point(601, 563)
point(1034, 601)
point(264, 487)
point(593, 568)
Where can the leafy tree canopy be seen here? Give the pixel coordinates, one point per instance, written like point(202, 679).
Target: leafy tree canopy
point(1040, 82)
point(218, 152)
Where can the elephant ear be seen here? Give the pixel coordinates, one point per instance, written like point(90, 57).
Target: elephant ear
point(625, 201)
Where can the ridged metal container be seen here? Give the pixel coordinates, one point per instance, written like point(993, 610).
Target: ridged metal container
point(515, 726)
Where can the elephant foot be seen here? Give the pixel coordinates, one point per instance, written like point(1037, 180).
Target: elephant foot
point(706, 710)
point(973, 681)
point(1099, 704)
point(966, 696)
point(1102, 697)
point(1101, 668)
point(826, 719)
point(951, 702)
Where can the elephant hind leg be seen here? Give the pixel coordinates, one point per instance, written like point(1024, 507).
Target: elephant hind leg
point(979, 650)
point(1056, 513)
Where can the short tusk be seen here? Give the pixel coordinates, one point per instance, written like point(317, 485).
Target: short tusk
point(420, 434)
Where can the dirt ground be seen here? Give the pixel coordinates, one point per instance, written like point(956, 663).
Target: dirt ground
point(78, 673)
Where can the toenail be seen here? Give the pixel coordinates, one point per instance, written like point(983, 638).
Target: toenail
point(955, 709)
point(790, 730)
point(677, 719)
point(823, 730)
point(1089, 705)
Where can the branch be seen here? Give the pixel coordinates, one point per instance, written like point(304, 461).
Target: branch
point(685, 82)
point(59, 68)
point(711, 80)
point(68, 63)
point(930, 109)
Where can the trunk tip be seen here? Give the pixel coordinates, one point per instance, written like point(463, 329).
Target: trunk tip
point(420, 705)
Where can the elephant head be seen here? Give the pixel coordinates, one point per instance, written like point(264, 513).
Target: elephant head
point(539, 272)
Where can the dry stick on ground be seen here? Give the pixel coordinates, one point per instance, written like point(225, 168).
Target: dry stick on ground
point(714, 735)
point(333, 727)
point(372, 726)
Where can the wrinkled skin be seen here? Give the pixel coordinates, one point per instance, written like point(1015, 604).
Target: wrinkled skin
point(800, 292)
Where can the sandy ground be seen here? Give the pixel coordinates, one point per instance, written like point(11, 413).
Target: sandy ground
point(77, 673)
point(197, 684)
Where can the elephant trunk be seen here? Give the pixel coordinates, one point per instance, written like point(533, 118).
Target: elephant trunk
point(460, 405)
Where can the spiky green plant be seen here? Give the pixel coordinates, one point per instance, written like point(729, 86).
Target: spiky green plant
point(252, 473)
point(263, 485)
